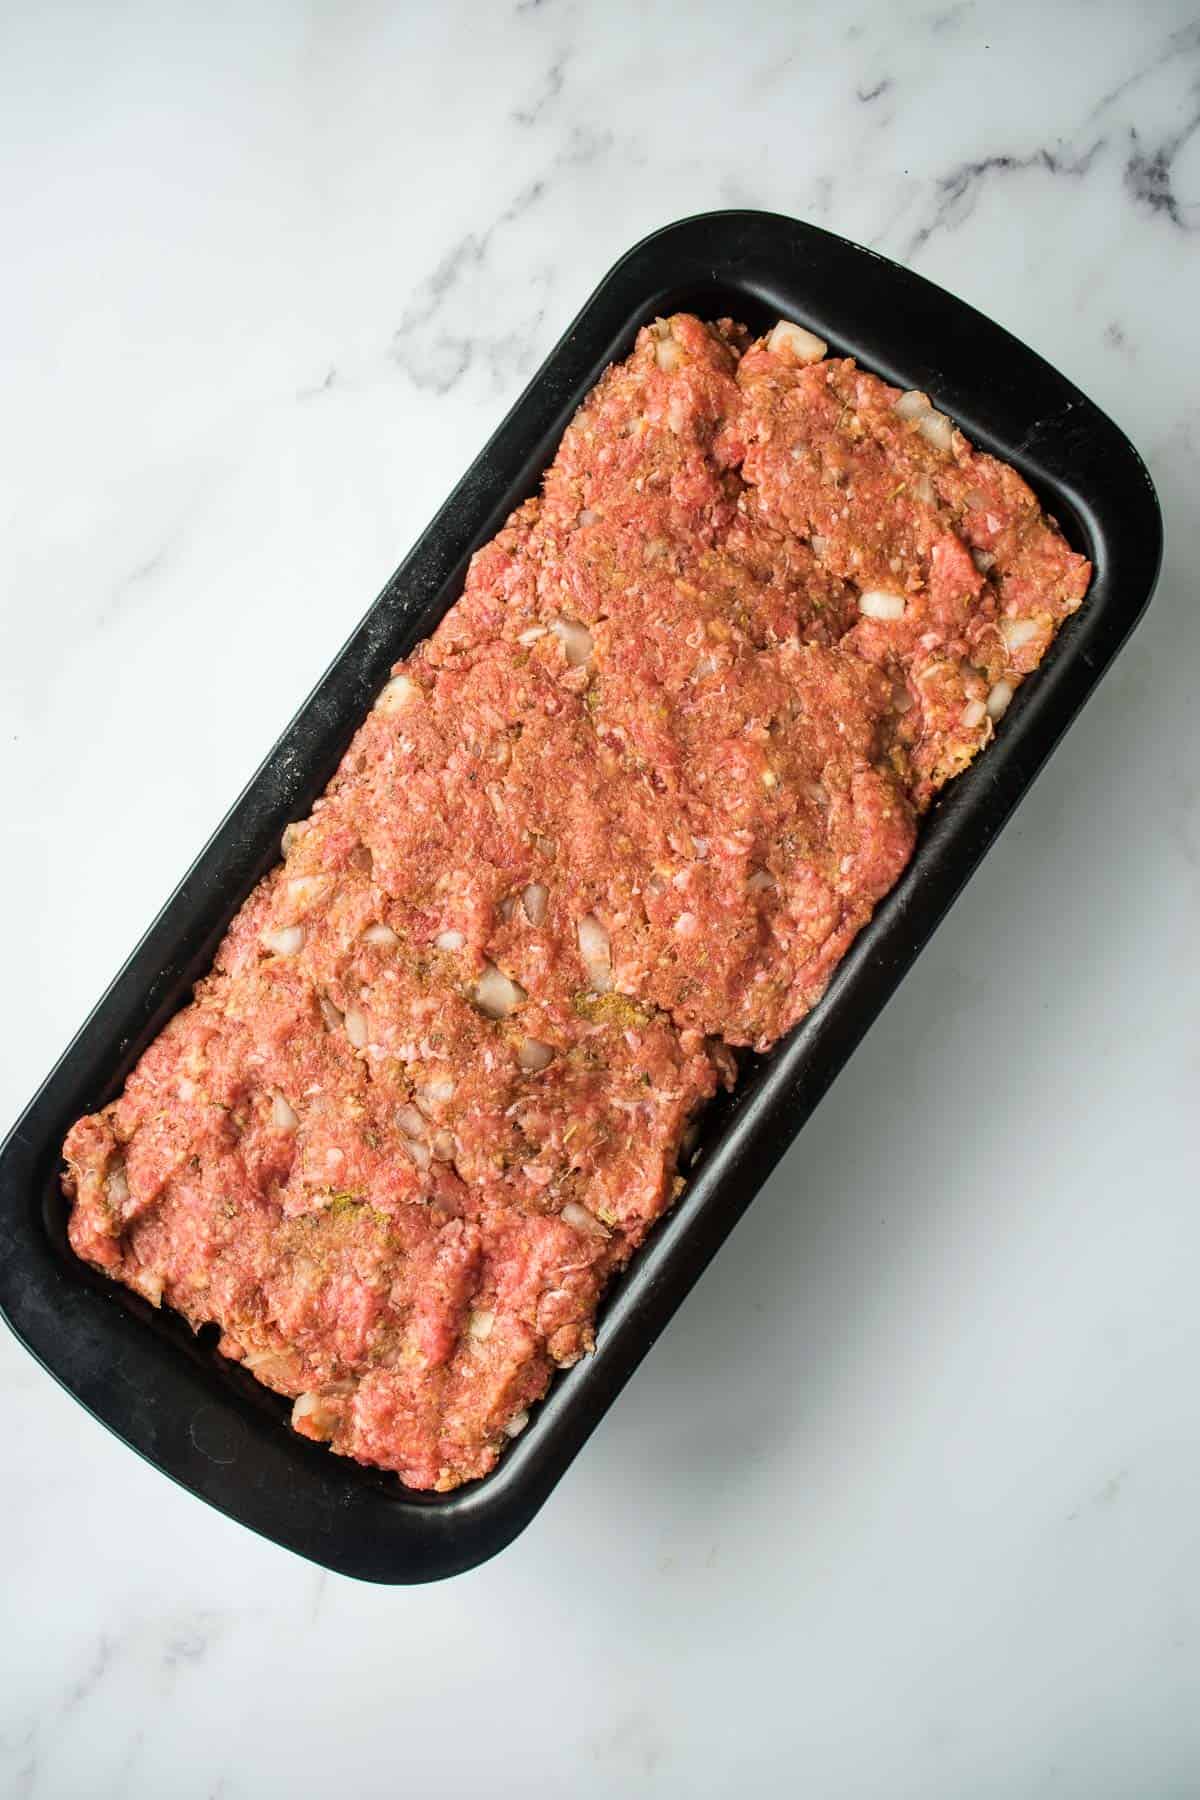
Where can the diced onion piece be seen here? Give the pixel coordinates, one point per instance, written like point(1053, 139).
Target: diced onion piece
point(974, 713)
point(534, 1055)
point(480, 1323)
point(805, 346)
point(667, 353)
point(282, 1115)
point(983, 560)
point(440, 1088)
point(330, 1013)
point(118, 1185)
point(532, 635)
point(760, 882)
point(396, 695)
point(516, 1424)
point(291, 837)
point(315, 1415)
point(382, 935)
point(819, 544)
point(356, 1027)
point(587, 516)
point(999, 698)
point(444, 1146)
point(420, 1153)
point(912, 405)
point(534, 901)
point(303, 890)
point(496, 995)
point(596, 950)
point(923, 489)
point(575, 639)
point(410, 1120)
point(582, 1220)
point(875, 604)
point(937, 430)
point(284, 941)
point(1018, 632)
point(449, 940)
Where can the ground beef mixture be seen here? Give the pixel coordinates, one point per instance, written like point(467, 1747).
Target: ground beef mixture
point(627, 808)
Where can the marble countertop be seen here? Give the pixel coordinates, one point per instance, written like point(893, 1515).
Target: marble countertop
point(905, 1502)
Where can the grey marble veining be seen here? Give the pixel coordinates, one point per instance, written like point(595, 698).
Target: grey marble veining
point(904, 1503)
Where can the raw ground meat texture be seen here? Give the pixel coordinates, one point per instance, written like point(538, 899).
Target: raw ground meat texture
point(622, 813)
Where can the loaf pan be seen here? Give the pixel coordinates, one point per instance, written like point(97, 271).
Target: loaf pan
point(167, 1393)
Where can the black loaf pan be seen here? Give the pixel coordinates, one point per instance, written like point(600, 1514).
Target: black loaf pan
point(168, 1394)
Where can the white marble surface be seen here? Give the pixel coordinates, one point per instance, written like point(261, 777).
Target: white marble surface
point(905, 1503)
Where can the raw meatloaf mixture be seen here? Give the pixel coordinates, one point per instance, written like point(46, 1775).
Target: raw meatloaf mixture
point(626, 809)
